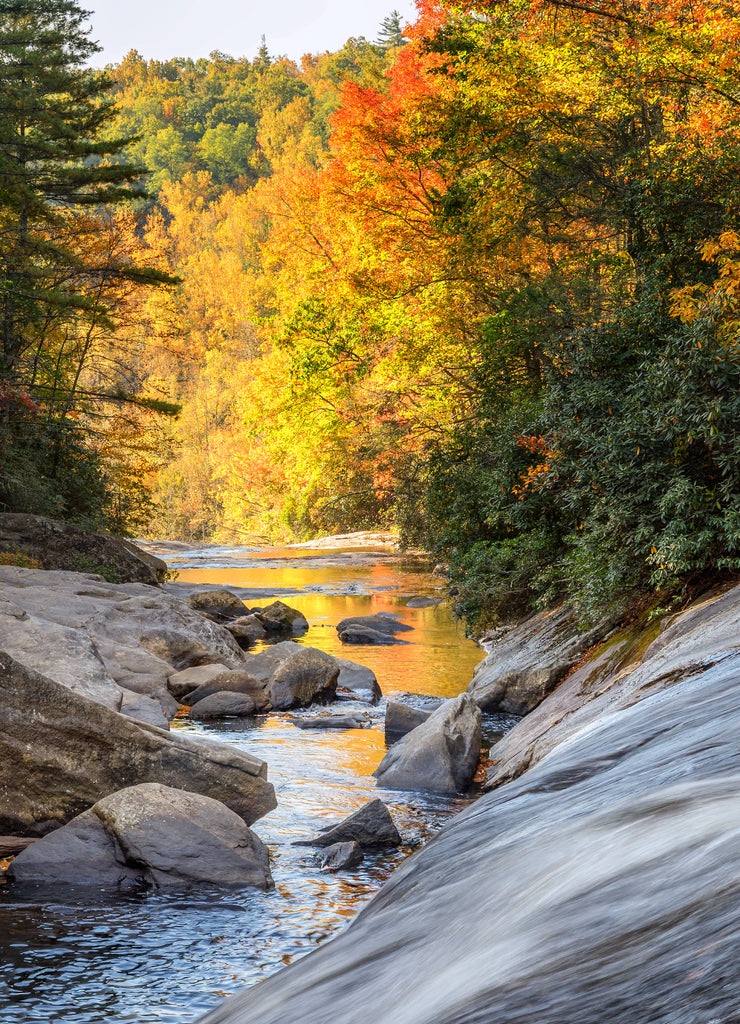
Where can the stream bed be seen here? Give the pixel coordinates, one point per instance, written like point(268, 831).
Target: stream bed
point(146, 958)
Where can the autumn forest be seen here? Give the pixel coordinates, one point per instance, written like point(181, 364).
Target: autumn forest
point(477, 280)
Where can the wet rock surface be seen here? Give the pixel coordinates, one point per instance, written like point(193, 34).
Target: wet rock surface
point(602, 883)
point(440, 755)
point(340, 857)
point(60, 753)
point(148, 836)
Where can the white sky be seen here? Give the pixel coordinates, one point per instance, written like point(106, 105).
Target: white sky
point(193, 28)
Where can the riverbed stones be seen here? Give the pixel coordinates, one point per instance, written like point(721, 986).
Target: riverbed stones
point(231, 681)
point(303, 678)
point(190, 679)
point(401, 719)
point(220, 603)
point(57, 545)
point(279, 617)
point(371, 826)
point(61, 752)
point(529, 659)
point(223, 705)
point(246, 630)
point(340, 857)
point(150, 835)
point(438, 756)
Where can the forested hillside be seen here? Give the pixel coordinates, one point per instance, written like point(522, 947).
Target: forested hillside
point(477, 281)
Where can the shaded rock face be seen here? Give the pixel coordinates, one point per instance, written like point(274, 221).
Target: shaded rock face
point(370, 826)
point(440, 755)
point(529, 659)
point(68, 752)
point(223, 705)
point(401, 719)
point(303, 678)
point(340, 856)
point(246, 629)
point(56, 545)
point(360, 680)
point(148, 836)
point(601, 885)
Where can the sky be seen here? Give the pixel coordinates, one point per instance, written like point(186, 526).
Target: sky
point(194, 28)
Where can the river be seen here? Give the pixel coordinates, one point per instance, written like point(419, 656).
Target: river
point(167, 958)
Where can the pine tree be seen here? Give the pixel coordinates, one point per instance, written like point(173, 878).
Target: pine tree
point(53, 161)
point(390, 33)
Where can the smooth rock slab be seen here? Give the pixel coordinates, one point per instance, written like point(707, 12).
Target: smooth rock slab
point(440, 755)
point(223, 705)
point(370, 826)
point(152, 835)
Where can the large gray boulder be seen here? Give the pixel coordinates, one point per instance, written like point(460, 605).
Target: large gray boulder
point(528, 660)
point(223, 705)
point(382, 622)
point(279, 617)
point(221, 603)
point(150, 836)
point(246, 630)
point(303, 678)
point(60, 753)
point(57, 545)
point(439, 755)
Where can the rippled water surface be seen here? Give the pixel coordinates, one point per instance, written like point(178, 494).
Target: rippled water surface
point(169, 957)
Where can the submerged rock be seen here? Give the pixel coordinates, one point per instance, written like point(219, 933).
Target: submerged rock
point(149, 836)
point(60, 753)
point(340, 856)
point(423, 602)
point(370, 826)
point(440, 755)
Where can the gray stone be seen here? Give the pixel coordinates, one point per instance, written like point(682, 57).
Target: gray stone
point(401, 719)
point(223, 705)
point(360, 680)
point(440, 755)
point(180, 649)
point(340, 856)
point(423, 602)
point(303, 678)
point(246, 630)
point(279, 617)
point(189, 679)
point(331, 722)
point(234, 681)
point(382, 622)
point(357, 634)
point(57, 545)
point(153, 835)
point(143, 709)
point(263, 665)
point(219, 603)
point(60, 753)
point(370, 826)
point(529, 659)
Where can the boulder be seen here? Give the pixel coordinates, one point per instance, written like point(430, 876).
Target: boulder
point(423, 602)
point(281, 618)
point(233, 681)
point(359, 634)
point(303, 678)
point(331, 722)
point(56, 545)
point(222, 604)
point(382, 622)
point(360, 680)
point(440, 755)
point(246, 630)
point(61, 752)
point(529, 659)
point(180, 649)
point(340, 856)
point(370, 826)
point(150, 836)
point(189, 679)
point(263, 665)
point(401, 719)
point(223, 705)
point(143, 709)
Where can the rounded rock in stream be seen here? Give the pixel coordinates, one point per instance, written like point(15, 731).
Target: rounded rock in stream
point(340, 856)
point(223, 704)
